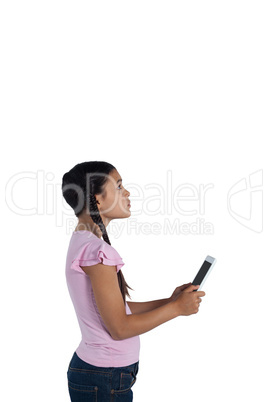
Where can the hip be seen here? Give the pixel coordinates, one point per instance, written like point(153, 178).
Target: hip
point(87, 382)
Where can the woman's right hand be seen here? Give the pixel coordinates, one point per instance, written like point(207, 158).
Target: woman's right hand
point(188, 301)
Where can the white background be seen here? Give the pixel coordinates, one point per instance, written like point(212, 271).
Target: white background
point(151, 87)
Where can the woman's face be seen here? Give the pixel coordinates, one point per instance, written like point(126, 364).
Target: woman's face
point(114, 203)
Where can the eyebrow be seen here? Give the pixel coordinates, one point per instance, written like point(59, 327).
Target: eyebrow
point(119, 180)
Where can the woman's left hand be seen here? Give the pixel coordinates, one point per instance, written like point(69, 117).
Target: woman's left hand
point(178, 291)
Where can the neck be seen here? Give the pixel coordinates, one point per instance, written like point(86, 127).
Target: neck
point(85, 222)
point(94, 228)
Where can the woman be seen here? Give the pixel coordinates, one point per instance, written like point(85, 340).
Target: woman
point(105, 364)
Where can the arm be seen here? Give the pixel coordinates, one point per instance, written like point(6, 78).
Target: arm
point(111, 306)
point(143, 307)
point(112, 309)
point(137, 324)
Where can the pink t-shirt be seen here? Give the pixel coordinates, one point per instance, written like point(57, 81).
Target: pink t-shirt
point(97, 347)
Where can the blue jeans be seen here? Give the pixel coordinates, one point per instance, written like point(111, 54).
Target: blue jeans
point(87, 383)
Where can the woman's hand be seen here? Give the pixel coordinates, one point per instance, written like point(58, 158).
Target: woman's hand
point(178, 291)
point(189, 300)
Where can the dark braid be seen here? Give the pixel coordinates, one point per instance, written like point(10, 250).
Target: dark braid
point(95, 215)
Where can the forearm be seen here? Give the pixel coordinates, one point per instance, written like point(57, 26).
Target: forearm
point(137, 324)
point(144, 307)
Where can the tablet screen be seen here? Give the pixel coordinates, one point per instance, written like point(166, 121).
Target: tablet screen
point(202, 273)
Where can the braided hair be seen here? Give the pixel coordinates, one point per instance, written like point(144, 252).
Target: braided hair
point(79, 193)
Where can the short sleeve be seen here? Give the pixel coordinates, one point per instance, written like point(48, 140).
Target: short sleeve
point(92, 254)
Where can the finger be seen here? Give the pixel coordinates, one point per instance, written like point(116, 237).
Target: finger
point(200, 293)
point(182, 287)
point(191, 288)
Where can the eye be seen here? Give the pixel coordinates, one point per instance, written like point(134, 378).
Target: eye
point(119, 187)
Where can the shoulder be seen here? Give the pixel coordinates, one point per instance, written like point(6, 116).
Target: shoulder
point(93, 250)
point(107, 254)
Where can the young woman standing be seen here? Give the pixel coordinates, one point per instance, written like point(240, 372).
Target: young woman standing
point(105, 364)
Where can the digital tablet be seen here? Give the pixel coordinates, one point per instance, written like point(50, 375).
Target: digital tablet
point(203, 272)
